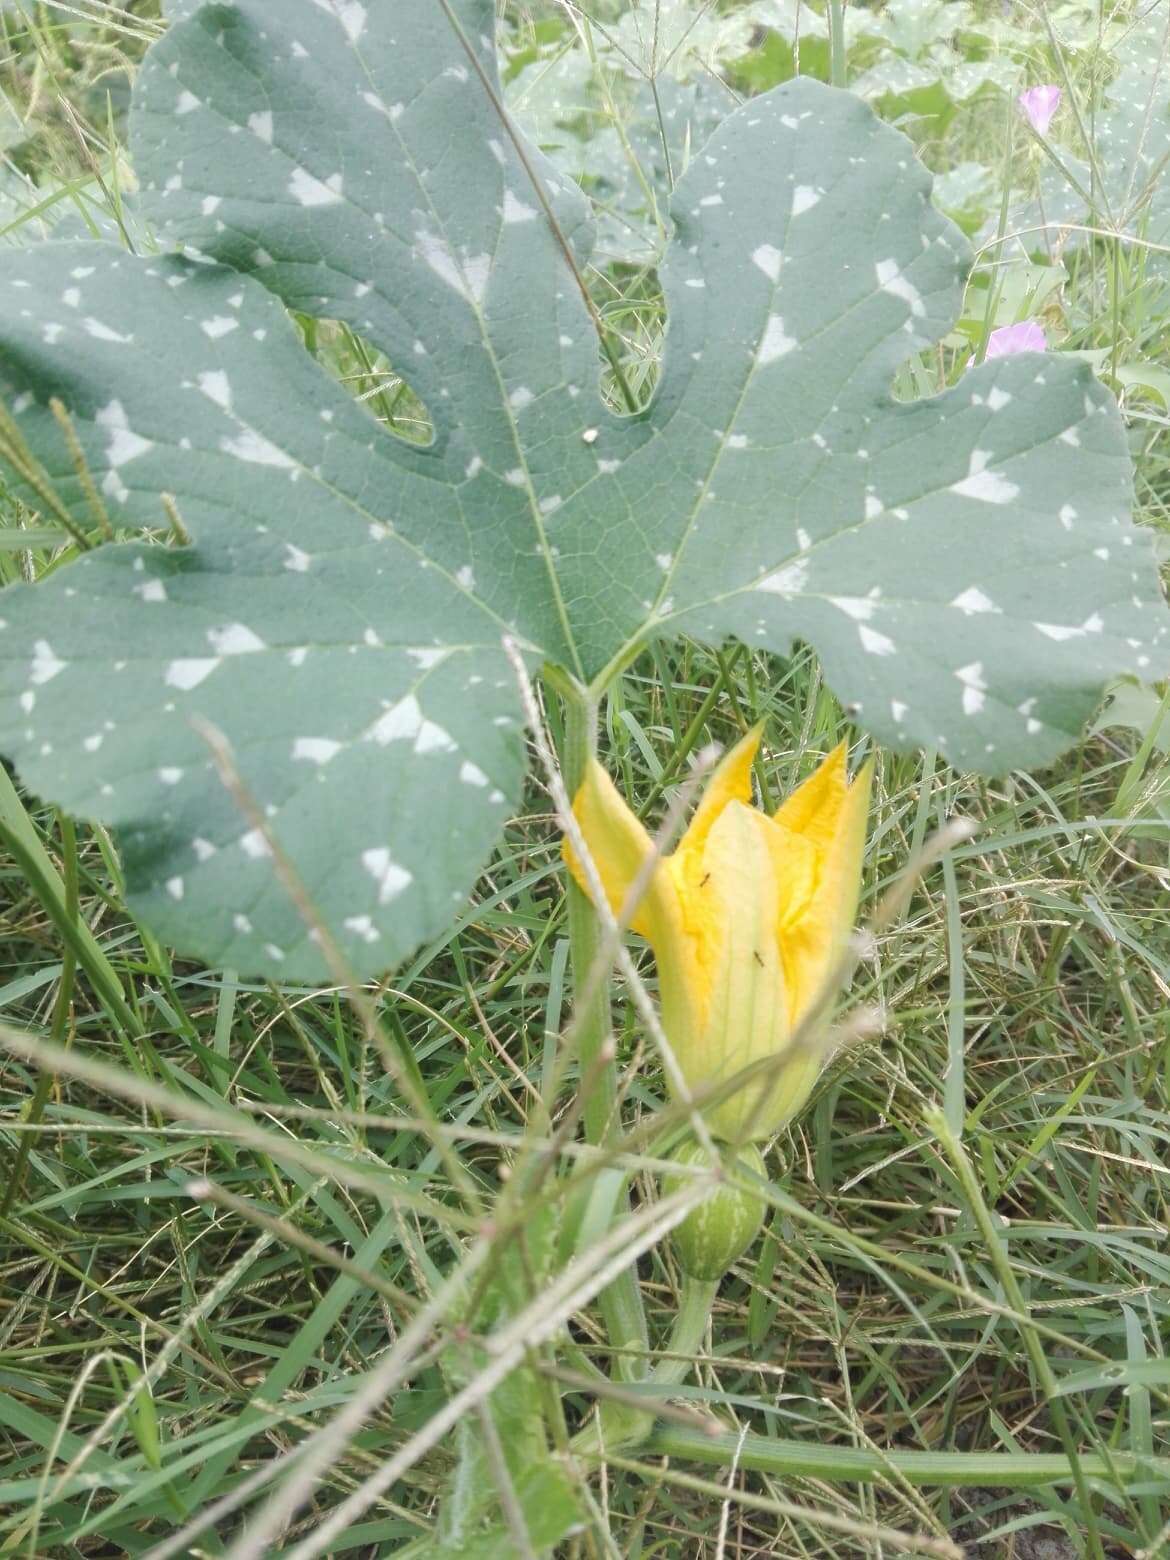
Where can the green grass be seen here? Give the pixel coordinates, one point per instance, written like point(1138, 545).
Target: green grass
point(230, 1209)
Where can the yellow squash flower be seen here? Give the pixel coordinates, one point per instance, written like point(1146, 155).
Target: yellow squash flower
point(747, 919)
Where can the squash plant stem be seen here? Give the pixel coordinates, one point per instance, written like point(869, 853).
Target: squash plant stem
point(621, 1302)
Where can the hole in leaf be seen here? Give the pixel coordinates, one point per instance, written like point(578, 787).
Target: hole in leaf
point(369, 377)
point(633, 315)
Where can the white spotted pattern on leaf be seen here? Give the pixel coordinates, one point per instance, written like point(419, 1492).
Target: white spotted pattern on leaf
point(338, 617)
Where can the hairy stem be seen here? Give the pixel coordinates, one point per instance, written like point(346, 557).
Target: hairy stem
point(689, 1330)
point(813, 1459)
point(621, 1302)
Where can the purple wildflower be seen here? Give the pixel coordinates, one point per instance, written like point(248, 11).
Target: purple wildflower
point(1027, 336)
point(1038, 105)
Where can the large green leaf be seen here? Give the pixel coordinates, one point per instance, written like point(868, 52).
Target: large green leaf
point(965, 565)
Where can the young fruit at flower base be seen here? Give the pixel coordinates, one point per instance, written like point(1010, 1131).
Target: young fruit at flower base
point(717, 1233)
point(748, 919)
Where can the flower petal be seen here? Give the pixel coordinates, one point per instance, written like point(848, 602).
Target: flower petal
point(730, 979)
point(618, 845)
point(1006, 340)
point(729, 781)
point(797, 863)
point(816, 927)
point(1038, 105)
point(813, 808)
